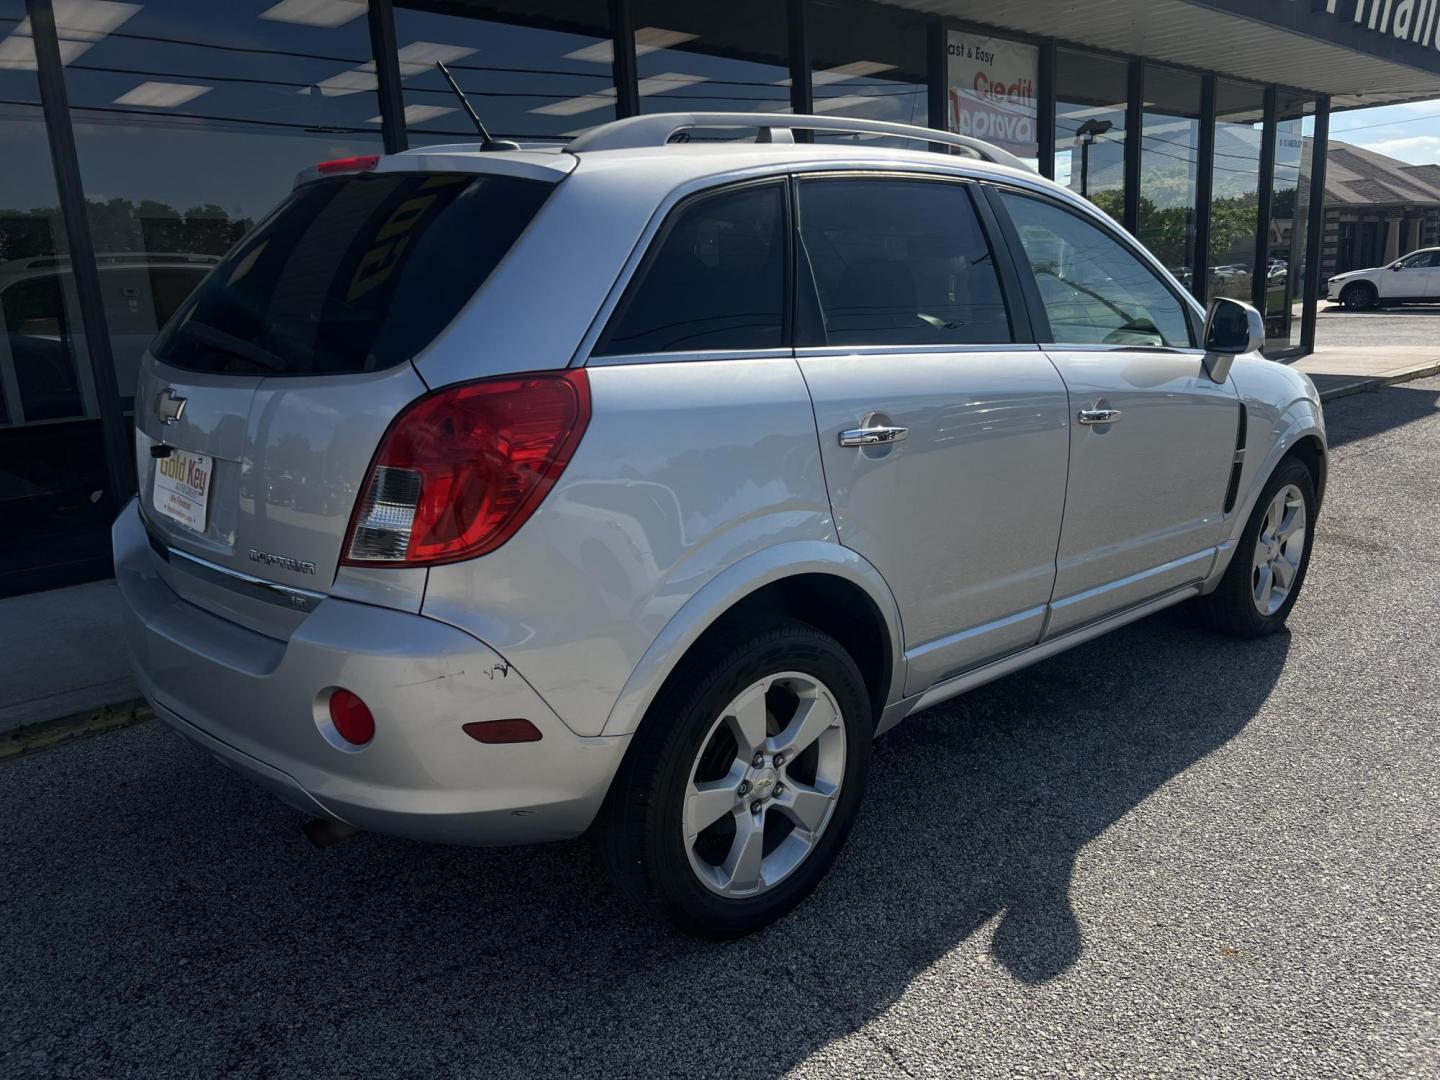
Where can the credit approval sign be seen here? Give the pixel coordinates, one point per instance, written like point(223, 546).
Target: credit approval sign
point(992, 91)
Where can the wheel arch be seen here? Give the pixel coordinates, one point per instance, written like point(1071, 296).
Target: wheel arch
point(817, 582)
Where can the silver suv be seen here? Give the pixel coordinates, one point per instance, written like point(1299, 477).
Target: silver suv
point(497, 497)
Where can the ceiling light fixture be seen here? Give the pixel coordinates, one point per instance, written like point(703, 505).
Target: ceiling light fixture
point(161, 95)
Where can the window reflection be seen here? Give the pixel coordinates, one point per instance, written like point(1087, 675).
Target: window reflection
point(191, 121)
point(1169, 167)
point(53, 477)
point(709, 57)
point(533, 69)
point(1234, 202)
point(868, 62)
point(1289, 214)
point(1090, 128)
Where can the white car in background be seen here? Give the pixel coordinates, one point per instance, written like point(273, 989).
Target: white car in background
point(1410, 279)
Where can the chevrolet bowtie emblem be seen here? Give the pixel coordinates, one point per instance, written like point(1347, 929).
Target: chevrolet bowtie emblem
point(169, 406)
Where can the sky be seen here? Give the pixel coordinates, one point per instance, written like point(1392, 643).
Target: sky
point(1408, 132)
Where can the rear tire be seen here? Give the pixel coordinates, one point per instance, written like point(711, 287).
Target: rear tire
point(1360, 296)
point(1267, 570)
point(703, 825)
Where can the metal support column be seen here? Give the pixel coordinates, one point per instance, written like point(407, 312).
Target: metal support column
point(937, 76)
point(1315, 237)
point(622, 34)
point(55, 103)
point(802, 99)
point(1045, 111)
point(1266, 196)
point(1134, 132)
point(387, 74)
point(1204, 190)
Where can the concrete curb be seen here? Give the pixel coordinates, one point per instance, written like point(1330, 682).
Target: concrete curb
point(32, 738)
point(1364, 383)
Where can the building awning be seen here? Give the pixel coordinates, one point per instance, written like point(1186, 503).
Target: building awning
point(1279, 41)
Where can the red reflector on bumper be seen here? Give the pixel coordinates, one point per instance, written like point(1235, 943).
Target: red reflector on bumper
point(503, 731)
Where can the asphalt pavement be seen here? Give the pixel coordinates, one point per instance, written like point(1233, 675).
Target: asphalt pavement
point(1164, 852)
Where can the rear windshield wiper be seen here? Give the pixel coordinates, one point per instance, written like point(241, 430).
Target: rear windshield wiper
point(258, 355)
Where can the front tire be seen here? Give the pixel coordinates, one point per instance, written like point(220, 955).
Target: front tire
point(743, 781)
point(1265, 574)
point(1361, 296)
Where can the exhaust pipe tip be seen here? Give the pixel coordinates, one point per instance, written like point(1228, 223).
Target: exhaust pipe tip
point(325, 833)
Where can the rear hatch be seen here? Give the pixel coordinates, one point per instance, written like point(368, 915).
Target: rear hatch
point(262, 402)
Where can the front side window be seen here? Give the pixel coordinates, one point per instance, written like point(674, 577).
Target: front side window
point(714, 279)
point(1095, 291)
point(900, 262)
point(1421, 260)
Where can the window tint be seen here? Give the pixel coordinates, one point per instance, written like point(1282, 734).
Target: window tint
point(1095, 291)
point(900, 262)
point(714, 279)
point(1421, 260)
point(351, 274)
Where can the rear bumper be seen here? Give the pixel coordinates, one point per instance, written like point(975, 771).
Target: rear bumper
point(256, 703)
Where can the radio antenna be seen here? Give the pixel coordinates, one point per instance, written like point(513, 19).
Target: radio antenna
point(486, 142)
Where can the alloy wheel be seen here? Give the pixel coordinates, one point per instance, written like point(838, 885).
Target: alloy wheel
point(764, 785)
point(1279, 547)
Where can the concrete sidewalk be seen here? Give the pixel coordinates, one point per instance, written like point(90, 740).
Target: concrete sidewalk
point(1351, 369)
point(65, 652)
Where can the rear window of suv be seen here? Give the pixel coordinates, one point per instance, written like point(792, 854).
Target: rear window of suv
point(356, 273)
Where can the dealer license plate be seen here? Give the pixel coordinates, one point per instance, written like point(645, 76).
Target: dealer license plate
point(182, 487)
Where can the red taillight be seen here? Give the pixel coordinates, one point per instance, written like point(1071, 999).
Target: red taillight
point(460, 471)
point(363, 163)
point(502, 731)
point(351, 717)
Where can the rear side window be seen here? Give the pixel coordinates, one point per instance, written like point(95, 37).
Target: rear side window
point(1095, 291)
point(900, 262)
point(714, 279)
point(357, 273)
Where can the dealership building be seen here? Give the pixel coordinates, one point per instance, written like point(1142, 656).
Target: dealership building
point(141, 139)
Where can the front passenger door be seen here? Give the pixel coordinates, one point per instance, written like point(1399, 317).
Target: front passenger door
point(1411, 278)
point(1153, 439)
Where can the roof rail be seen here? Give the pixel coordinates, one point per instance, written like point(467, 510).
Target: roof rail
point(657, 129)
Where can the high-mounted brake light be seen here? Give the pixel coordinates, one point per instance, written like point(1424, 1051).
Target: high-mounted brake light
point(363, 163)
point(461, 470)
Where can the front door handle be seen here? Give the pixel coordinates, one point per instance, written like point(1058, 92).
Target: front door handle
point(1090, 417)
point(873, 436)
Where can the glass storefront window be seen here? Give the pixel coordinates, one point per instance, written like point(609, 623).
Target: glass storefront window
point(533, 69)
point(191, 121)
point(1169, 167)
point(1234, 200)
point(1289, 215)
point(991, 92)
point(868, 62)
point(710, 57)
point(1090, 101)
point(53, 477)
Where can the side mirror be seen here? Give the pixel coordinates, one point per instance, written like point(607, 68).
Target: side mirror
point(1396, 266)
point(1231, 328)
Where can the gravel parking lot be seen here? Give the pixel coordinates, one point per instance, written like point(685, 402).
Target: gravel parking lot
point(1163, 852)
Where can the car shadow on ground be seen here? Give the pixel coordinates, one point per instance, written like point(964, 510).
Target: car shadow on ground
point(188, 923)
point(1373, 412)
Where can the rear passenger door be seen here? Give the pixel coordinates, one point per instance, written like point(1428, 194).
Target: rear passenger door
point(943, 434)
point(1154, 438)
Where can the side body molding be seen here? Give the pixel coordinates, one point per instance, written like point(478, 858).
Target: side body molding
point(731, 586)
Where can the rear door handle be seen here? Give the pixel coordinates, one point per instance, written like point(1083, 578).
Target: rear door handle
point(873, 436)
point(1090, 417)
